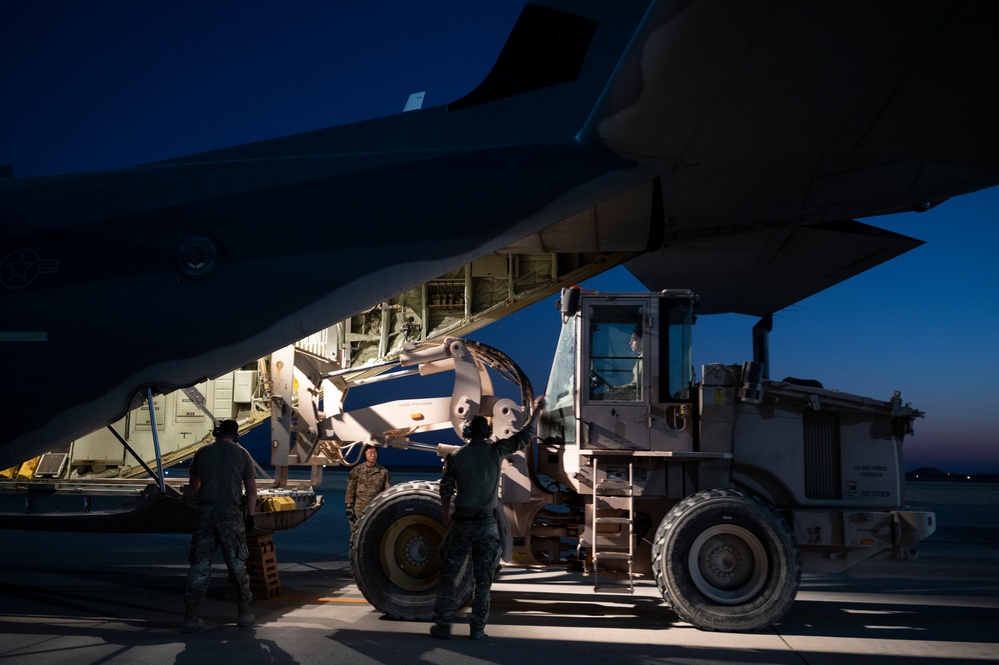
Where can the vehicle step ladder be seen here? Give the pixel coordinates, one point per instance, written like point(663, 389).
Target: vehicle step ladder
point(613, 495)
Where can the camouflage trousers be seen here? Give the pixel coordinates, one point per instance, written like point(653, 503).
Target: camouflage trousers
point(218, 527)
point(480, 538)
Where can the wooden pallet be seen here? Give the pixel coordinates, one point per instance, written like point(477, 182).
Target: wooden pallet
point(265, 581)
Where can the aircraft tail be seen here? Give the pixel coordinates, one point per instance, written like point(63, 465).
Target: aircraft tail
point(544, 86)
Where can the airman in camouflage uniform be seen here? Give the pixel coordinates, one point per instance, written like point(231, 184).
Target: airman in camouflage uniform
point(364, 482)
point(473, 471)
point(219, 472)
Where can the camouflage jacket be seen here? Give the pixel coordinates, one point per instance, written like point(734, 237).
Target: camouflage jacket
point(364, 482)
point(473, 471)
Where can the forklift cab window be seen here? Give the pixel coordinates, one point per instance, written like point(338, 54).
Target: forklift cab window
point(677, 366)
point(615, 346)
point(558, 422)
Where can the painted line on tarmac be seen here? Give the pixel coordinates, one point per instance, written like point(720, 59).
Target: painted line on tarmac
point(297, 599)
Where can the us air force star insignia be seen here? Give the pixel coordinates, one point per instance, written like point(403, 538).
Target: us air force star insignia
point(20, 268)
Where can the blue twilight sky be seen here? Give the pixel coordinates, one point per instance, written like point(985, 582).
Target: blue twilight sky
point(105, 84)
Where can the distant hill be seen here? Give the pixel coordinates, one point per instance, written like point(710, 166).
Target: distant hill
point(927, 472)
point(933, 473)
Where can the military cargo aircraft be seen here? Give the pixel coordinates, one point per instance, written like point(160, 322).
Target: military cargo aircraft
point(725, 147)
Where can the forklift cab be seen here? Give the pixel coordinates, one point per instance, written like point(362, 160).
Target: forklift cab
point(627, 385)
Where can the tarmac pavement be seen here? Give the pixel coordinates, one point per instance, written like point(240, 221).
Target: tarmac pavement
point(114, 598)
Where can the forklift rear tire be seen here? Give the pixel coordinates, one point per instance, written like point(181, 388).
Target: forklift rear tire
point(395, 552)
point(724, 560)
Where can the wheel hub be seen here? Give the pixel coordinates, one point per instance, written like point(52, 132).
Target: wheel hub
point(724, 561)
point(417, 551)
point(728, 564)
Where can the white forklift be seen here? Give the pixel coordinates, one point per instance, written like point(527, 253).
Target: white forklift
point(723, 491)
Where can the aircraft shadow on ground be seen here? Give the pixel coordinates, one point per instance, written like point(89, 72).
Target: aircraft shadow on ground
point(554, 647)
point(890, 620)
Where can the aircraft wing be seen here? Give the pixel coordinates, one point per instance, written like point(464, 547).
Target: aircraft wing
point(740, 133)
point(780, 124)
point(762, 270)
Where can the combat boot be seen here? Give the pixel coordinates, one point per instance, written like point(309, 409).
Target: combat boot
point(440, 632)
point(245, 618)
point(476, 632)
point(192, 623)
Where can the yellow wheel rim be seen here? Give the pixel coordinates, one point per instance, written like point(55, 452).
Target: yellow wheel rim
point(410, 552)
